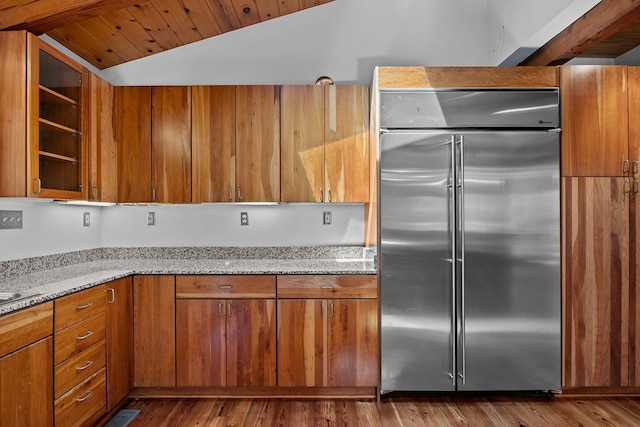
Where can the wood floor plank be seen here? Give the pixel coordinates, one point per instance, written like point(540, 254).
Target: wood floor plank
point(435, 410)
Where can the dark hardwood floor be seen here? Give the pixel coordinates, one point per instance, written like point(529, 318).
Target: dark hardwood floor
point(391, 411)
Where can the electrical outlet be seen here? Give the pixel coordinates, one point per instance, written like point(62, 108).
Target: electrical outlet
point(244, 218)
point(151, 218)
point(86, 219)
point(10, 220)
point(326, 218)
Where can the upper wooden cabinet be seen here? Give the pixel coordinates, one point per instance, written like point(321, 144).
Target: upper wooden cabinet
point(103, 161)
point(43, 136)
point(325, 144)
point(171, 144)
point(154, 144)
point(213, 143)
point(133, 136)
point(595, 111)
point(257, 143)
point(302, 143)
point(236, 144)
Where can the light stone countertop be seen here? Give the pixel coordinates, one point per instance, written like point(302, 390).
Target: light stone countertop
point(55, 282)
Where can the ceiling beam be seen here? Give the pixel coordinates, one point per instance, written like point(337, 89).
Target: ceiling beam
point(45, 15)
point(601, 22)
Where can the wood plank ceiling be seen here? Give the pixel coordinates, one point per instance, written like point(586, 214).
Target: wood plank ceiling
point(608, 30)
point(111, 32)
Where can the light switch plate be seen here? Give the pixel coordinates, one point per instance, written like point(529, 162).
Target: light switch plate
point(10, 220)
point(86, 218)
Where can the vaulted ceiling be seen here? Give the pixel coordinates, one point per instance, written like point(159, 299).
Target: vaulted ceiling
point(110, 32)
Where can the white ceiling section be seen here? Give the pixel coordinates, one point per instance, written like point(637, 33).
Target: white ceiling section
point(346, 39)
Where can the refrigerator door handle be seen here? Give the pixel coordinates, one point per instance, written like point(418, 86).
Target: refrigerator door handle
point(460, 257)
point(452, 228)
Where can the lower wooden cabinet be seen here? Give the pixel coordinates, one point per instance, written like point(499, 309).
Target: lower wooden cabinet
point(226, 341)
point(154, 333)
point(26, 367)
point(596, 290)
point(80, 357)
point(119, 340)
point(330, 341)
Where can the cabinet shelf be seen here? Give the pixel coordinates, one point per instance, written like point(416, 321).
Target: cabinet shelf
point(58, 126)
point(59, 157)
point(52, 97)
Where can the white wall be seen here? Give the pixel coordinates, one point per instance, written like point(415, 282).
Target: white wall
point(50, 228)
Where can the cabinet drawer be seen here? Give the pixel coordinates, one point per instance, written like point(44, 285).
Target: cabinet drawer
point(84, 403)
point(79, 337)
point(328, 286)
point(78, 368)
point(225, 286)
point(81, 305)
point(25, 326)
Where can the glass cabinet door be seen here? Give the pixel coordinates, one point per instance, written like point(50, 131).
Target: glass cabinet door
point(58, 165)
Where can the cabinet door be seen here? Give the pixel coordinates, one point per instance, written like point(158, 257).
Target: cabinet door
point(346, 144)
point(103, 159)
point(251, 343)
point(257, 143)
point(171, 144)
point(301, 347)
point(352, 348)
point(594, 120)
point(119, 340)
point(133, 136)
point(26, 386)
point(154, 331)
point(13, 121)
point(302, 143)
point(595, 282)
point(200, 342)
point(633, 80)
point(57, 114)
point(213, 144)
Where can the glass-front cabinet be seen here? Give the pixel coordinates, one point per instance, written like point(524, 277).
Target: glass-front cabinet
point(58, 94)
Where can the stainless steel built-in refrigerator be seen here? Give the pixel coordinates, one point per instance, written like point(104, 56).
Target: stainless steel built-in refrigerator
point(469, 250)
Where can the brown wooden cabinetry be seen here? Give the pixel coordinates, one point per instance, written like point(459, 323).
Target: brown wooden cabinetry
point(80, 357)
point(153, 132)
point(595, 138)
point(325, 143)
point(43, 136)
point(257, 144)
point(225, 331)
point(595, 228)
point(213, 144)
point(119, 340)
point(236, 143)
point(103, 160)
point(154, 331)
point(26, 367)
point(327, 331)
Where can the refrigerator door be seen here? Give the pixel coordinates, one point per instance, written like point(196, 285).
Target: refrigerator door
point(509, 336)
point(416, 268)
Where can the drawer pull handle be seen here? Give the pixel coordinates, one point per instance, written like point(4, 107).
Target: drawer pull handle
point(85, 336)
point(82, 368)
point(113, 296)
point(225, 287)
point(85, 397)
point(82, 307)
point(326, 287)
